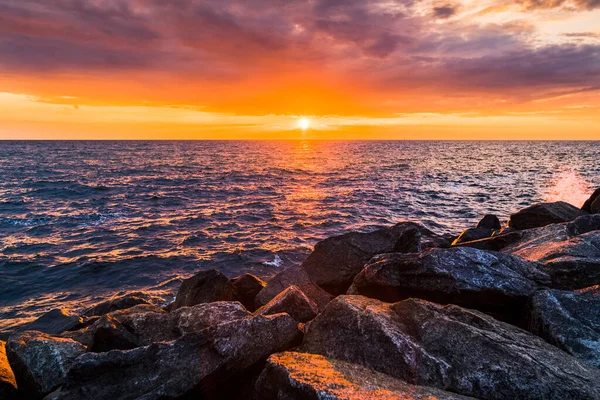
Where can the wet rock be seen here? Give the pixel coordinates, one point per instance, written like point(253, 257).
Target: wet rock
point(247, 287)
point(40, 361)
point(495, 243)
point(584, 224)
point(293, 302)
point(309, 376)
point(489, 221)
point(573, 262)
point(55, 322)
point(197, 364)
point(122, 303)
point(592, 205)
point(295, 276)
point(8, 384)
point(489, 281)
point(543, 214)
point(204, 287)
point(569, 320)
point(450, 348)
point(335, 261)
point(471, 234)
point(110, 334)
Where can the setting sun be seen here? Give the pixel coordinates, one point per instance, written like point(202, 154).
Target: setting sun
point(304, 123)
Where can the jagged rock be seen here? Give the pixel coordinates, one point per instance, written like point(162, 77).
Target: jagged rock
point(584, 224)
point(471, 234)
point(592, 205)
point(450, 348)
point(488, 281)
point(8, 384)
point(573, 262)
point(204, 287)
point(495, 243)
point(40, 361)
point(247, 287)
point(568, 320)
point(296, 276)
point(543, 214)
point(128, 329)
point(309, 376)
point(335, 261)
point(55, 322)
point(489, 221)
point(293, 302)
point(122, 303)
point(196, 364)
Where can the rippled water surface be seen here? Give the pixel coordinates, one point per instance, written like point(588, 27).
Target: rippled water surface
point(83, 220)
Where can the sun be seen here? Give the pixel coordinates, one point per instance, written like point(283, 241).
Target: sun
point(304, 123)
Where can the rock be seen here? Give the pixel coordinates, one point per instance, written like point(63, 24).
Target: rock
point(489, 281)
point(450, 348)
point(495, 243)
point(569, 320)
point(543, 214)
point(584, 224)
point(40, 361)
point(471, 234)
point(309, 376)
point(195, 365)
point(573, 262)
point(296, 276)
point(489, 221)
point(129, 329)
point(592, 205)
point(55, 322)
point(8, 384)
point(293, 302)
point(335, 261)
point(247, 287)
point(205, 287)
point(122, 302)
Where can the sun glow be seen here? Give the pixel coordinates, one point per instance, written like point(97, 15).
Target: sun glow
point(304, 123)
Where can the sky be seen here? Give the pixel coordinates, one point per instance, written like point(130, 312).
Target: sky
point(255, 69)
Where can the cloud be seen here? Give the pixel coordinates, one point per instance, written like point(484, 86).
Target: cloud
point(548, 4)
point(444, 11)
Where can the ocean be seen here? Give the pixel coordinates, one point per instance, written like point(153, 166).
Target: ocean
point(83, 220)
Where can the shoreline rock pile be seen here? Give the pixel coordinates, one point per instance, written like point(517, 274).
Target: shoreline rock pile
point(497, 312)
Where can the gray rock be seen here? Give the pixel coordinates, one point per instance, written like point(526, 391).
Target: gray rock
point(293, 302)
point(543, 214)
point(296, 276)
point(584, 224)
point(40, 362)
point(489, 281)
point(592, 205)
point(573, 262)
point(568, 320)
point(247, 287)
point(195, 365)
point(471, 234)
point(122, 303)
point(489, 221)
point(55, 322)
point(450, 348)
point(205, 287)
point(337, 260)
point(8, 383)
point(309, 376)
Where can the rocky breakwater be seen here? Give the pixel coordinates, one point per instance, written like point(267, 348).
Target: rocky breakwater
point(496, 312)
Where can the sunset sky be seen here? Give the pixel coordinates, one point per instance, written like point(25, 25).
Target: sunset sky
point(355, 69)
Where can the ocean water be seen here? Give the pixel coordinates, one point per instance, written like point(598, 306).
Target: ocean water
point(80, 221)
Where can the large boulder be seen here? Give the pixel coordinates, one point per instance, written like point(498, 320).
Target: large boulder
point(543, 214)
point(40, 362)
point(571, 258)
point(309, 376)
point(489, 221)
point(471, 234)
point(205, 287)
point(450, 348)
point(335, 261)
point(496, 242)
point(55, 321)
point(592, 205)
point(247, 287)
point(489, 281)
point(293, 302)
point(127, 329)
point(295, 276)
point(8, 383)
point(568, 320)
point(122, 303)
point(195, 365)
